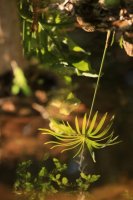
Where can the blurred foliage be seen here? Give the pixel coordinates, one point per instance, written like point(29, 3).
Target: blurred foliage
point(47, 180)
point(44, 35)
point(19, 81)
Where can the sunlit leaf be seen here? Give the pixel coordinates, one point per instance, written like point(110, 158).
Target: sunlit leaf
point(100, 124)
point(77, 49)
point(77, 125)
point(42, 172)
point(84, 124)
point(87, 74)
point(58, 176)
point(82, 65)
point(19, 81)
point(73, 46)
point(93, 178)
point(92, 124)
point(104, 132)
point(57, 19)
point(15, 89)
point(83, 175)
point(64, 181)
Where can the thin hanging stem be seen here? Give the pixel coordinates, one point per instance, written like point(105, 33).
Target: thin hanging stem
point(94, 96)
point(99, 74)
point(81, 159)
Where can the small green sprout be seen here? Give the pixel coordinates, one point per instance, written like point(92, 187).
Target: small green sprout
point(91, 135)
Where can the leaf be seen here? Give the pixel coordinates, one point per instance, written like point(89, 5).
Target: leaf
point(92, 124)
point(79, 150)
point(58, 176)
point(82, 174)
point(73, 46)
point(57, 19)
point(19, 80)
point(100, 124)
point(60, 128)
point(87, 74)
point(15, 89)
point(77, 126)
point(42, 172)
point(77, 49)
point(93, 178)
point(106, 130)
point(28, 186)
point(57, 163)
point(82, 65)
point(84, 124)
point(97, 145)
point(72, 130)
point(64, 181)
point(89, 145)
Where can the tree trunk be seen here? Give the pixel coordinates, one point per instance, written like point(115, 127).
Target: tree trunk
point(10, 40)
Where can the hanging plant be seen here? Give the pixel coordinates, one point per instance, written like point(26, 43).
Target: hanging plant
point(91, 135)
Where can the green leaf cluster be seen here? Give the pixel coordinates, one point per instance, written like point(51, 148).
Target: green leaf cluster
point(50, 44)
point(24, 178)
point(84, 181)
point(92, 135)
point(45, 181)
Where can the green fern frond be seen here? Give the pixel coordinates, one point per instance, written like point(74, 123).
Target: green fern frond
point(91, 134)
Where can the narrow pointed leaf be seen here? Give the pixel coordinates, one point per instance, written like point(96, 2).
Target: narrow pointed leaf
point(103, 133)
point(100, 124)
point(80, 150)
point(113, 140)
point(84, 123)
point(105, 138)
point(92, 124)
point(71, 143)
point(71, 147)
point(77, 126)
point(53, 142)
point(89, 145)
point(97, 145)
point(72, 131)
point(114, 143)
point(49, 132)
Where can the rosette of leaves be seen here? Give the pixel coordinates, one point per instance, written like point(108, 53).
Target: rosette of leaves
point(92, 134)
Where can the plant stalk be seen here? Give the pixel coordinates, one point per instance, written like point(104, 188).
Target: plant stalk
point(100, 72)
